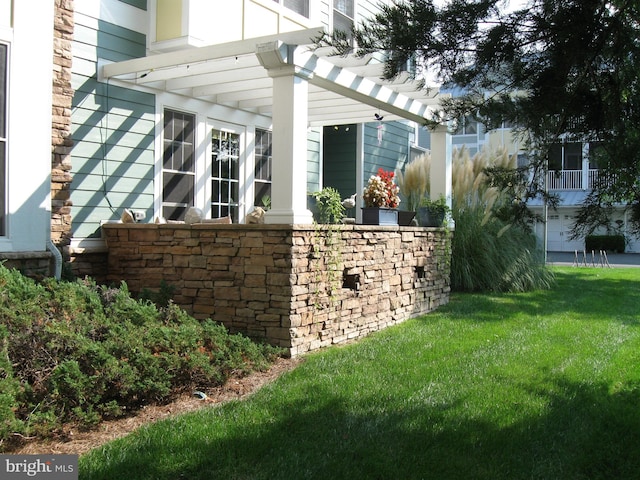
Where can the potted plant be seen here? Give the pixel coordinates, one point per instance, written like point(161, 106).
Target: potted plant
point(328, 206)
point(432, 213)
point(381, 199)
point(414, 183)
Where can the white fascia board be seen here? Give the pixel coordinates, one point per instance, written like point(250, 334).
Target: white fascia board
point(246, 95)
point(232, 87)
point(203, 73)
point(218, 77)
point(257, 103)
point(327, 120)
point(211, 52)
point(347, 110)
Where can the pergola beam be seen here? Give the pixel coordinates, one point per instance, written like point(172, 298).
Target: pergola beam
point(203, 54)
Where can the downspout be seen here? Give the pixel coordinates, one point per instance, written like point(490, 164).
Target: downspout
point(57, 256)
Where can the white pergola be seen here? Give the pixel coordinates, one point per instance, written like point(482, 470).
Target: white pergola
point(280, 76)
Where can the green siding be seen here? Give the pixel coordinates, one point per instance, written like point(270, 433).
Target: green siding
point(113, 130)
point(141, 4)
point(340, 153)
point(110, 42)
point(390, 154)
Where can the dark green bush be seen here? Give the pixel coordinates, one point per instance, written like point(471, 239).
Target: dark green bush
point(9, 389)
point(78, 353)
point(610, 243)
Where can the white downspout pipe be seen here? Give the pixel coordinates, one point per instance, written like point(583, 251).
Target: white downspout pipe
point(57, 256)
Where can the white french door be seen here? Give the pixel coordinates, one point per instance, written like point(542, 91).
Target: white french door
point(225, 171)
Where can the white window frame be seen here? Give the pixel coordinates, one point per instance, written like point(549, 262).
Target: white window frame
point(207, 116)
point(270, 181)
point(243, 178)
point(308, 5)
point(334, 11)
point(162, 169)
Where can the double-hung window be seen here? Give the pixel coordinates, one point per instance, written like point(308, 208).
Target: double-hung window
point(178, 164)
point(467, 126)
point(344, 16)
point(225, 174)
point(4, 94)
point(262, 172)
point(298, 6)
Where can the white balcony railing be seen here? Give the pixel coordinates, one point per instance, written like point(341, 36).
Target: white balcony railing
point(572, 179)
point(564, 180)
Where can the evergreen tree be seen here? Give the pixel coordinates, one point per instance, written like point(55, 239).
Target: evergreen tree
point(559, 70)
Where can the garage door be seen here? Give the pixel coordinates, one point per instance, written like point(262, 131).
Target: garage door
point(559, 233)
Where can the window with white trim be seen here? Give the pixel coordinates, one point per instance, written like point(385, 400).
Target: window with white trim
point(298, 6)
point(178, 164)
point(467, 126)
point(4, 67)
point(262, 171)
point(565, 156)
point(343, 16)
point(225, 174)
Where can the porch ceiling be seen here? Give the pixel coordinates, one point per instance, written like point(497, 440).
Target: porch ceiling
point(341, 89)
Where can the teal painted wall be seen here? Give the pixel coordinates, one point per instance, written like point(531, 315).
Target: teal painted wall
point(340, 153)
point(391, 154)
point(112, 128)
point(141, 4)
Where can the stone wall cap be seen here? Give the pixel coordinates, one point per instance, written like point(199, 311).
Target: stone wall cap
point(25, 255)
point(262, 227)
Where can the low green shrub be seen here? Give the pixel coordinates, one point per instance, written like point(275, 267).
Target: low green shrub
point(9, 389)
point(78, 353)
point(610, 243)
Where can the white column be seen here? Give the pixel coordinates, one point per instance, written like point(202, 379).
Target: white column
point(289, 175)
point(441, 164)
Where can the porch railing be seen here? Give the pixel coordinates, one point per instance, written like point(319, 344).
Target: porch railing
point(572, 179)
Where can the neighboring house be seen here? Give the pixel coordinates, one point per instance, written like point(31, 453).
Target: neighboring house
point(571, 176)
point(162, 105)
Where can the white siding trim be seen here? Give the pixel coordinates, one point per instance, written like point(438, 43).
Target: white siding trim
point(29, 129)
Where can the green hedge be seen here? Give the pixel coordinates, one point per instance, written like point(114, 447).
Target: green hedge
point(610, 243)
point(75, 353)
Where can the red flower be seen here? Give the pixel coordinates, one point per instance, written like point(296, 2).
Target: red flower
point(381, 190)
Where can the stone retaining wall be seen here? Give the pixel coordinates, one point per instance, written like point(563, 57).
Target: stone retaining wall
point(298, 287)
point(32, 264)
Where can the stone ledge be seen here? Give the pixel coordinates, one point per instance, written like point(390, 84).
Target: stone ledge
point(33, 255)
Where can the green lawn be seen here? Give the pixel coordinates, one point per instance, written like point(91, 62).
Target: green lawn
point(542, 385)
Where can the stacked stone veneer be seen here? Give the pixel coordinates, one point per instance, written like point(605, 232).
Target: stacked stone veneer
point(299, 287)
point(61, 140)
